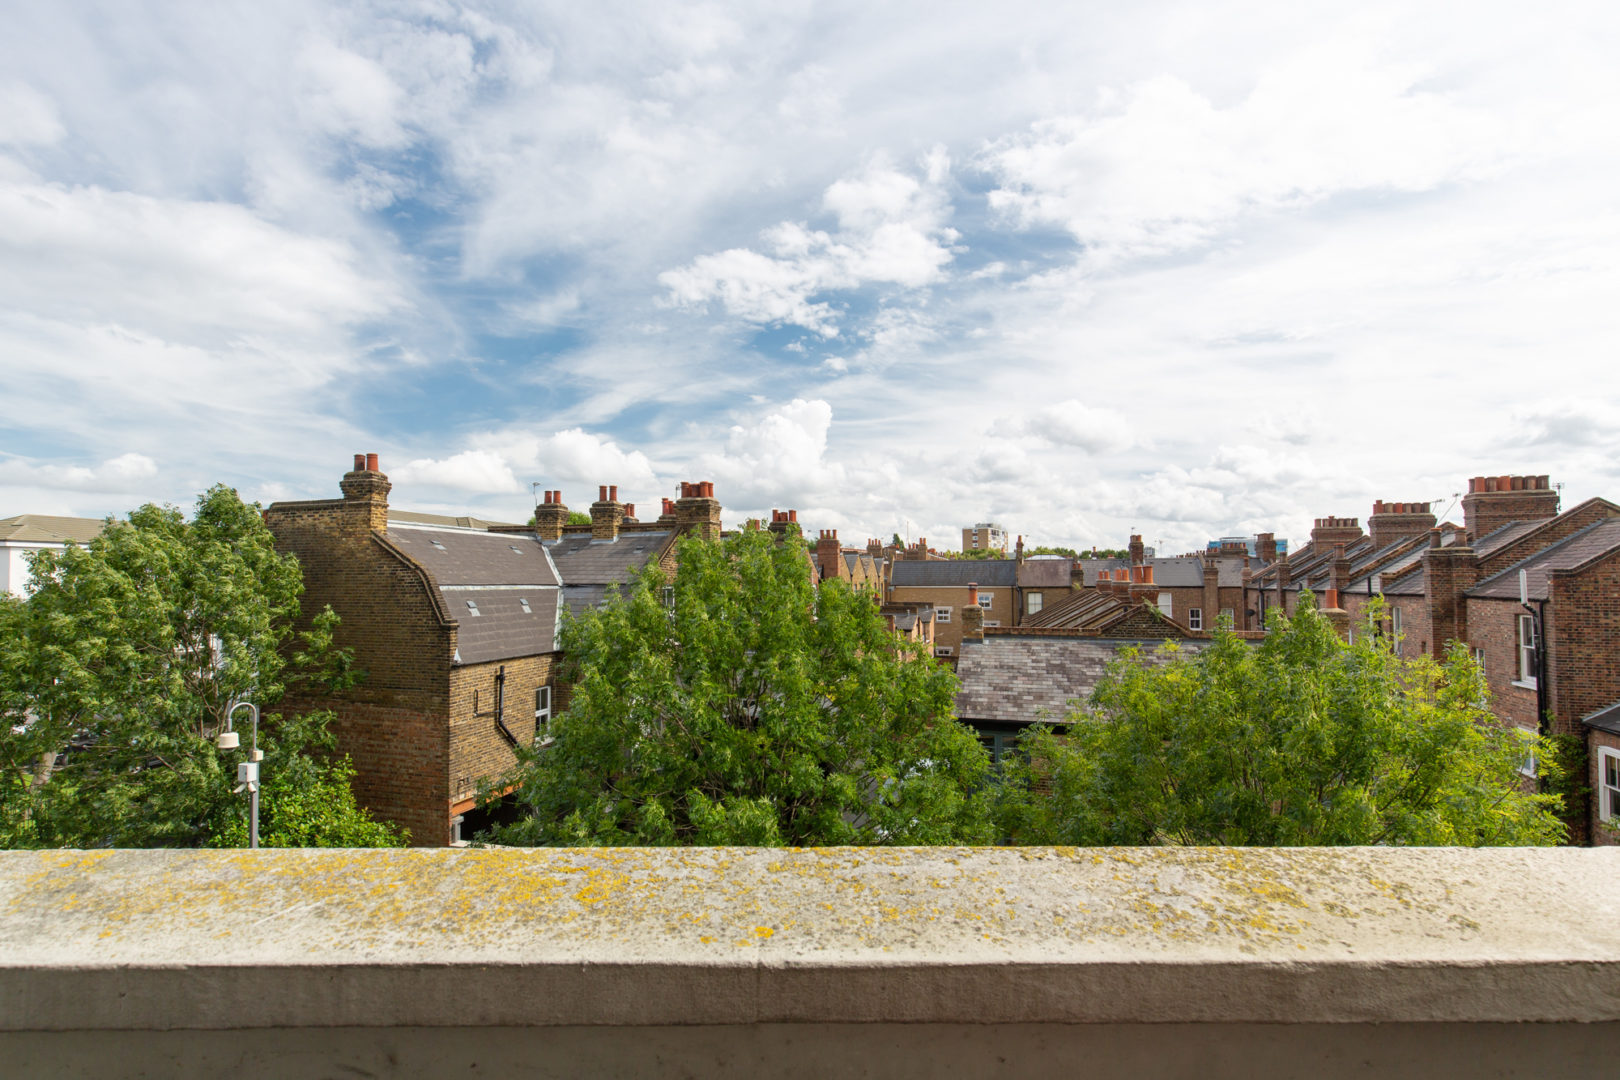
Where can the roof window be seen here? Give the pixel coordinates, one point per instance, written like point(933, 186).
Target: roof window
point(515, 549)
point(435, 543)
point(472, 608)
point(527, 610)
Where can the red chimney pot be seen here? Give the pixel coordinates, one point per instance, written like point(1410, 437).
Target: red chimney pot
point(371, 463)
point(359, 463)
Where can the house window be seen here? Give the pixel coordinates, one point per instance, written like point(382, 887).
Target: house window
point(1195, 618)
point(1479, 659)
point(1229, 615)
point(524, 604)
point(669, 597)
point(942, 614)
point(986, 598)
point(1395, 622)
point(1608, 784)
point(1527, 767)
point(542, 711)
point(1527, 650)
point(472, 607)
point(1033, 602)
point(1165, 604)
point(992, 622)
point(942, 650)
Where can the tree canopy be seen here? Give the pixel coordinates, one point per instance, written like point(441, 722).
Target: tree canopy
point(737, 704)
point(1300, 739)
point(119, 670)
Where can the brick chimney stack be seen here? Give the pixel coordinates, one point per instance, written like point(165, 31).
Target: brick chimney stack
point(1265, 548)
point(606, 513)
point(550, 516)
point(1493, 501)
point(1335, 530)
point(829, 556)
point(667, 514)
point(697, 510)
point(1018, 550)
point(1143, 589)
point(1136, 549)
point(972, 615)
point(1392, 521)
point(874, 548)
point(365, 493)
point(1448, 573)
point(1340, 578)
point(1212, 589)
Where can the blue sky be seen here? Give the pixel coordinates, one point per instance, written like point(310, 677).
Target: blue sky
point(1179, 269)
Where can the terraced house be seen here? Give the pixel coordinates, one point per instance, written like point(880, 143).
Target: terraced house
point(455, 623)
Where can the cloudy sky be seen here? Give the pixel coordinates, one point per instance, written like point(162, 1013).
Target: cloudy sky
point(1087, 269)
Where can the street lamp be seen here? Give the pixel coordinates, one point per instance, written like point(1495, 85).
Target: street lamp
point(247, 772)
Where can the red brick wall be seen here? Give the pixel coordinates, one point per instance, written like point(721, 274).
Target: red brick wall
point(1493, 628)
point(1558, 528)
point(477, 749)
point(1602, 834)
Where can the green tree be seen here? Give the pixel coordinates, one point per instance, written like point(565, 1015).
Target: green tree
point(739, 705)
point(121, 666)
point(1302, 739)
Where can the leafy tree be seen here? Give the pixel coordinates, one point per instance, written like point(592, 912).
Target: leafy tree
point(121, 666)
point(1300, 740)
point(743, 706)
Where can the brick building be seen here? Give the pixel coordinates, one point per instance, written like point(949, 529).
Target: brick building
point(456, 628)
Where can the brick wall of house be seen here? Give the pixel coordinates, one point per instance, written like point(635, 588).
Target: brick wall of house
point(1583, 640)
point(949, 634)
point(1493, 629)
point(392, 724)
point(1601, 834)
point(478, 750)
point(1548, 534)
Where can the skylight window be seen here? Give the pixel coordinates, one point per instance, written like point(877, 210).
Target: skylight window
point(525, 604)
point(472, 608)
point(515, 549)
point(436, 544)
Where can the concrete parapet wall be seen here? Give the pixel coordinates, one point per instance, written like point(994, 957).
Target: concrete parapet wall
point(341, 949)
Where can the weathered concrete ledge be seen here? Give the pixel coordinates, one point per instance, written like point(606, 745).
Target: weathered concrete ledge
point(169, 940)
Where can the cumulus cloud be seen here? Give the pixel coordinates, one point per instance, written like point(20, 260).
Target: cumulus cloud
point(572, 455)
point(477, 471)
point(778, 457)
point(27, 117)
point(119, 474)
point(891, 231)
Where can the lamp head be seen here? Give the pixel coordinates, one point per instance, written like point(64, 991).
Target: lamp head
point(228, 740)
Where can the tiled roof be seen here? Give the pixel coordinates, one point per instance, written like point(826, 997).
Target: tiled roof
point(511, 622)
point(1092, 568)
point(46, 529)
point(579, 597)
point(1028, 679)
point(464, 557)
point(413, 517)
point(1596, 539)
point(583, 561)
point(1503, 535)
point(1080, 609)
point(948, 573)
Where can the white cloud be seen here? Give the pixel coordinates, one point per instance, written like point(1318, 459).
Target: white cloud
point(891, 231)
point(27, 117)
point(1072, 424)
point(572, 455)
point(477, 471)
point(778, 458)
point(1159, 167)
point(124, 473)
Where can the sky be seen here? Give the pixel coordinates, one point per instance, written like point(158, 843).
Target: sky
point(1085, 270)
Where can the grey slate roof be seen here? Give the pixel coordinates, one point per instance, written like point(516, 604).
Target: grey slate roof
point(1026, 680)
point(415, 517)
point(1604, 719)
point(583, 561)
point(1594, 540)
point(502, 629)
point(1503, 535)
point(1044, 573)
point(579, 597)
point(948, 573)
point(466, 557)
point(1092, 568)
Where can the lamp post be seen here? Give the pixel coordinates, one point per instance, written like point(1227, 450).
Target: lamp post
point(247, 772)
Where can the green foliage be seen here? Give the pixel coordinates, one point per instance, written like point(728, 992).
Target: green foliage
point(975, 553)
point(752, 709)
point(578, 517)
point(122, 663)
point(1300, 740)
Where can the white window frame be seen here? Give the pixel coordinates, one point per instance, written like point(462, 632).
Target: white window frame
point(472, 608)
point(1033, 602)
point(943, 650)
point(1195, 618)
point(942, 615)
point(1608, 792)
point(1166, 603)
point(992, 622)
point(986, 599)
point(1395, 623)
point(542, 713)
point(1526, 644)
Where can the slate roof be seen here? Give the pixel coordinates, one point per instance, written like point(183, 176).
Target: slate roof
point(1091, 568)
point(1503, 535)
point(503, 627)
point(1044, 573)
point(1596, 539)
point(414, 517)
point(949, 573)
point(46, 529)
point(465, 557)
point(1079, 610)
point(584, 561)
point(579, 597)
point(1024, 680)
point(1605, 719)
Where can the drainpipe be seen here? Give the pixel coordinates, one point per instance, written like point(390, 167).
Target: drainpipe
point(500, 703)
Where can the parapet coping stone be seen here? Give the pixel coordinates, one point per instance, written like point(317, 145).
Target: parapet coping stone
point(501, 937)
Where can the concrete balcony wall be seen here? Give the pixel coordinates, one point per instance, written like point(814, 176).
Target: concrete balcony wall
point(889, 962)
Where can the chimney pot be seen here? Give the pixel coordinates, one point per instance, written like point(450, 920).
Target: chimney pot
point(630, 511)
point(359, 463)
point(371, 463)
point(973, 592)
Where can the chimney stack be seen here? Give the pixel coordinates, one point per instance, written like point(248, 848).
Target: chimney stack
point(1392, 521)
point(1494, 501)
point(972, 615)
point(606, 513)
point(1136, 549)
point(365, 495)
point(697, 510)
point(550, 516)
point(829, 557)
